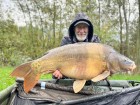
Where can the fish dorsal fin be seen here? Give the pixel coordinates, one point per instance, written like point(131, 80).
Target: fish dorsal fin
point(101, 76)
point(78, 85)
point(30, 81)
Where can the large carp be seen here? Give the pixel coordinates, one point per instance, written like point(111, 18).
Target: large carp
point(81, 61)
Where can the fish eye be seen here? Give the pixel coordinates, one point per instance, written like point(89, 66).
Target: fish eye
point(124, 60)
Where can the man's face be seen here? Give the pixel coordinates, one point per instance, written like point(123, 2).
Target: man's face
point(81, 31)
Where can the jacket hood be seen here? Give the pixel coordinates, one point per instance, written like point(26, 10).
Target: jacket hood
point(80, 17)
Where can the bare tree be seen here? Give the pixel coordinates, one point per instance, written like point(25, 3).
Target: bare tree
point(120, 21)
point(127, 28)
point(99, 17)
point(54, 18)
point(138, 40)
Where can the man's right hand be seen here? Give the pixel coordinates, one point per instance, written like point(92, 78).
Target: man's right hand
point(57, 74)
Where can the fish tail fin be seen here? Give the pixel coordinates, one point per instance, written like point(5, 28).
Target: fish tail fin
point(30, 80)
point(22, 70)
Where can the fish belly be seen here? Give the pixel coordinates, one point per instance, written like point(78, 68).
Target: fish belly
point(83, 70)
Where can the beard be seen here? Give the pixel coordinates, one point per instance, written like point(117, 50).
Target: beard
point(81, 37)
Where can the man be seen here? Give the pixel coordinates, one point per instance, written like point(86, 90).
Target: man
point(80, 30)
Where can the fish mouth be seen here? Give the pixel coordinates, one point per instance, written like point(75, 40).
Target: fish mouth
point(130, 68)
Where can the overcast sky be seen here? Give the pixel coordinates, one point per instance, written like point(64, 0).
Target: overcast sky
point(9, 7)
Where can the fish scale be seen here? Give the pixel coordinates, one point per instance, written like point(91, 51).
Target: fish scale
point(80, 61)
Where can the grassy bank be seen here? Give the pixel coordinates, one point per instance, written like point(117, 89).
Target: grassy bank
point(125, 77)
point(6, 80)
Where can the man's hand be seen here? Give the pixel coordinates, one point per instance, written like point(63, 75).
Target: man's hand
point(57, 74)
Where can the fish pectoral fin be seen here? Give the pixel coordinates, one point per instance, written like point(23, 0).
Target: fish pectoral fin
point(78, 85)
point(101, 76)
point(30, 81)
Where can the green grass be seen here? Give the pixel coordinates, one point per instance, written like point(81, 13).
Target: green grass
point(6, 80)
point(46, 76)
point(125, 77)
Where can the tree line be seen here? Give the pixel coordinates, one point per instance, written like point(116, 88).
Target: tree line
point(116, 22)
